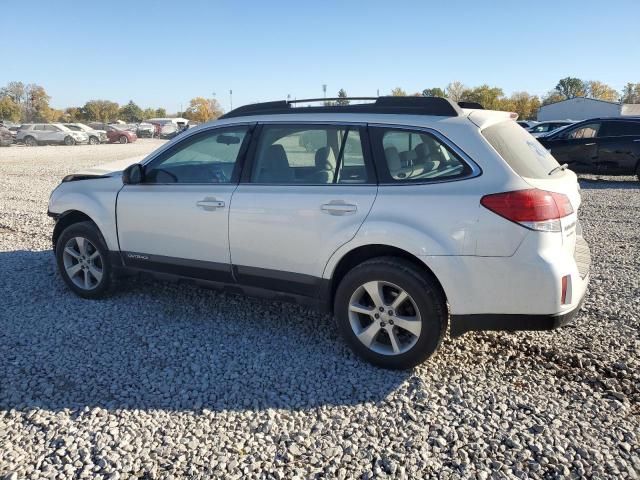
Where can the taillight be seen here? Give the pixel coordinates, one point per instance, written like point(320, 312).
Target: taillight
point(534, 209)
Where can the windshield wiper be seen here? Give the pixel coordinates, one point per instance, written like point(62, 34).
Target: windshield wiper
point(564, 166)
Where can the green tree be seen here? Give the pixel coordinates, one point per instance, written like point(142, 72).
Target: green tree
point(342, 95)
point(570, 87)
point(398, 92)
point(552, 97)
point(489, 97)
point(131, 113)
point(202, 109)
point(15, 91)
point(100, 110)
point(9, 109)
point(433, 92)
point(149, 113)
point(160, 112)
point(631, 93)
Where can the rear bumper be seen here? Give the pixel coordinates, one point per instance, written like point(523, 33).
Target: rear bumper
point(461, 324)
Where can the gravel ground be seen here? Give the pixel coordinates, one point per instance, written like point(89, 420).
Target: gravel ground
point(170, 381)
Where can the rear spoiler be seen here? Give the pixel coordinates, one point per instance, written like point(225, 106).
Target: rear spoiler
point(471, 105)
point(484, 118)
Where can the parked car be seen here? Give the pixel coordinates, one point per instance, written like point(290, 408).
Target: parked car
point(145, 129)
point(95, 136)
point(49, 133)
point(541, 128)
point(390, 233)
point(14, 131)
point(604, 146)
point(526, 124)
point(6, 138)
point(118, 134)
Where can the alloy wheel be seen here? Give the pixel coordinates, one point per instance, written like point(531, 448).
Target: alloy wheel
point(83, 263)
point(384, 318)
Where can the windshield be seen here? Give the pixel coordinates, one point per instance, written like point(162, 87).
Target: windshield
point(524, 154)
point(62, 127)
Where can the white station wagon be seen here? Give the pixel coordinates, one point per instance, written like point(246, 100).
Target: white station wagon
point(401, 216)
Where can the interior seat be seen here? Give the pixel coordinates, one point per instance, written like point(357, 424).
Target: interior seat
point(424, 158)
point(275, 166)
point(325, 161)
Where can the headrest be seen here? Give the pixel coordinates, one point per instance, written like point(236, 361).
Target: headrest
point(325, 159)
point(422, 150)
point(393, 158)
point(276, 157)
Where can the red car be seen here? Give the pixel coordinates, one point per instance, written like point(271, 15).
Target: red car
point(117, 134)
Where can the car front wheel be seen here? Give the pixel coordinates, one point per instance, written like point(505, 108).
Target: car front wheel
point(30, 142)
point(83, 260)
point(123, 139)
point(93, 141)
point(391, 313)
point(69, 141)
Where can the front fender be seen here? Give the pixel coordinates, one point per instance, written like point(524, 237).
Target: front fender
point(95, 198)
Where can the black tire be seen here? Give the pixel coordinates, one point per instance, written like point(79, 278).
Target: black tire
point(94, 140)
point(29, 141)
point(425, 294)
point(123, 139)
point(68, 141)
point(90, 232)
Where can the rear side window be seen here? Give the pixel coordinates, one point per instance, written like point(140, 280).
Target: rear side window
point(620, 129)
point(409, 156)
point(524, 154)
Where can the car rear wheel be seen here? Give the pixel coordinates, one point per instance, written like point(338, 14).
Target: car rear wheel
point(94, 141)
point(391, 313)
point(30, 141)
point(69, 141)
point(83, 260)
point(123, 139)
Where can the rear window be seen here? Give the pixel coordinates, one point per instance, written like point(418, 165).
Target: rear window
point(524, 154)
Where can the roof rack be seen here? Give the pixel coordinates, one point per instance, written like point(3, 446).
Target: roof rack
point(441, 107)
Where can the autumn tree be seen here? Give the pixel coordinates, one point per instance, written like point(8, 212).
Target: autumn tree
point(37, 107)
point(433, 92)
point(398, 92)
point(454, 91)
point(552, 97)
point(601, 91)
point(342, 95)
point(488, 97)
point(100, 110)
point(9, 109)
point(570, 87)
point(131, 112)
point(203, 109)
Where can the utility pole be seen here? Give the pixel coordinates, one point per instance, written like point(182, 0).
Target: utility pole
point(231, 99)
point(324, 90)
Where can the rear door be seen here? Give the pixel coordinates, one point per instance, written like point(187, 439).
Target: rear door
point(306, 191)
point(618, 147)
point(577, 147)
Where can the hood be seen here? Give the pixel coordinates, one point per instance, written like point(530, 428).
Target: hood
point(111, 167)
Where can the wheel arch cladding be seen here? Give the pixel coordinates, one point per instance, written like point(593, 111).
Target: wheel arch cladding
point(68, 218)
point(363, 253)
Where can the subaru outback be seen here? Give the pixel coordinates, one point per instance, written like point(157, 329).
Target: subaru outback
point(403, 217)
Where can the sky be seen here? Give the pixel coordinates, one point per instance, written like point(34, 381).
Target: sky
point(163, 53)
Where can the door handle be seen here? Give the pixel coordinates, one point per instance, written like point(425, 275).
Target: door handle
point(337, 207)
point(210, 204)
point(637, 140)
point(589, 144)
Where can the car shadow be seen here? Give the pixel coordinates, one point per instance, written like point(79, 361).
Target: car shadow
point(158, 345)
point(600, 183)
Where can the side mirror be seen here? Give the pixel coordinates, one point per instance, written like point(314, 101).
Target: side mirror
point(133, 174)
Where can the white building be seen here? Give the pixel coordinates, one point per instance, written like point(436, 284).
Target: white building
point(581, 108)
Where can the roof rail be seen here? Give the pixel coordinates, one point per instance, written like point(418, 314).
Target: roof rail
point(473, 105)
point(441, 107)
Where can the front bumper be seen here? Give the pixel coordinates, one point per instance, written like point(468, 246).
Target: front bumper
point(461, 324)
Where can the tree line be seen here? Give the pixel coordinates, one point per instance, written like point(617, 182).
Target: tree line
point(30, 102)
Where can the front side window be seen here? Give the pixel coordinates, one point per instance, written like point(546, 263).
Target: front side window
point(208, 157)
point(585, 131)
point(309, 155)
point(412, 156)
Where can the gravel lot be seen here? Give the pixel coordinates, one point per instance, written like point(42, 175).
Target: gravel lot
point(171, 381)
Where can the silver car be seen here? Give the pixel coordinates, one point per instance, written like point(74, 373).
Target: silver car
point(33, 134)
point(95, 136)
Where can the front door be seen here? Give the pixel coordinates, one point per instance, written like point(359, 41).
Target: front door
point(307, 192)
point(176, 220)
